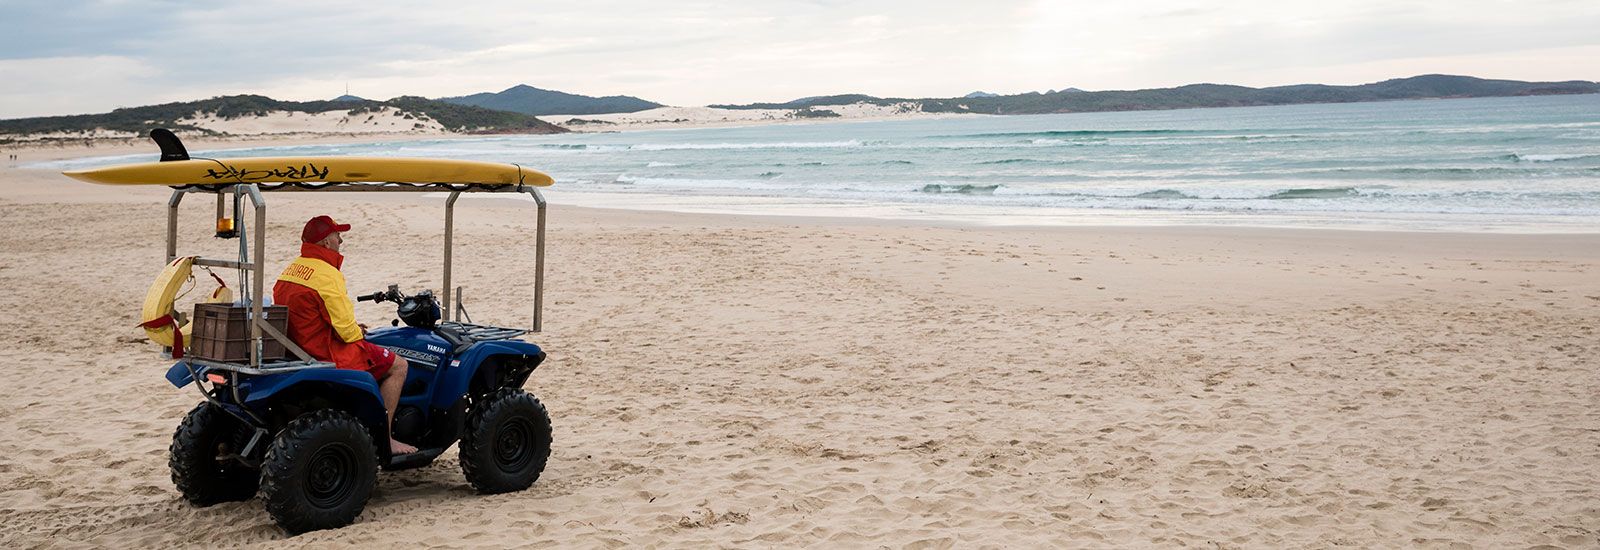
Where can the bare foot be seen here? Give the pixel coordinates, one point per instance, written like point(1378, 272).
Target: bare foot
point(397, 448)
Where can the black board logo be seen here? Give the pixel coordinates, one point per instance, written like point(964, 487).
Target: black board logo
point(307, 171)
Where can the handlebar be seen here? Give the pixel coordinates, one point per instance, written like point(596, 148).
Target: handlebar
point(408, 305)
point(393, 294)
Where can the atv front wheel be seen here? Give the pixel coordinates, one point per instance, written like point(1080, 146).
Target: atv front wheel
point(319, 472)
point(507, 442)
point(206, 433)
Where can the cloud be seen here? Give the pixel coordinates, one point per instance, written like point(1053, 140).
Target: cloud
point(697, 52)
point(62, 85)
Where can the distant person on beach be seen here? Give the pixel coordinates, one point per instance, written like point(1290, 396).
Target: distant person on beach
point(322, 319)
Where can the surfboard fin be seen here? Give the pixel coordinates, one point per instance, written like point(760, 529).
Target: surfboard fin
point(171, 148)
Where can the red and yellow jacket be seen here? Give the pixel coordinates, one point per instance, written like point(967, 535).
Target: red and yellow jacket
point(321, 317)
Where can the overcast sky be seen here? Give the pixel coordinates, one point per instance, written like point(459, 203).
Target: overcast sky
point(71, 57)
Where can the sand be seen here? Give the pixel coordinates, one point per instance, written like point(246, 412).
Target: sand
point(722, 381)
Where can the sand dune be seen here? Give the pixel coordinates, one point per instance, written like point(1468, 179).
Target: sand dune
point(748, 382)
point(694, 117)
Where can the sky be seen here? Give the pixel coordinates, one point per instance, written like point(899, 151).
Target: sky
point(62, 57)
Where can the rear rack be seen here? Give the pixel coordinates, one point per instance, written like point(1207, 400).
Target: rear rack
point(270, 367)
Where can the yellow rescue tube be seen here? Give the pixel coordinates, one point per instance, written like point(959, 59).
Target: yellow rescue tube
point(159, 318)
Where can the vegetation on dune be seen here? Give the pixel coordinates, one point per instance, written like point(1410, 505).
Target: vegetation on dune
point(466, 118)
point(138, 120)
point(813, 113)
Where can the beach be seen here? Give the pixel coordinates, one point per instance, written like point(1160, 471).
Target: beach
point(745, 381)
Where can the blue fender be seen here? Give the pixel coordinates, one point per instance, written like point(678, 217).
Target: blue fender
point(350, 390)
point(179, 375)
point(353, 390)
point(457, 375)
point(261, 388)
point(264, 387)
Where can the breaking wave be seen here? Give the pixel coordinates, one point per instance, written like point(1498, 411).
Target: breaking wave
point(1514, 157)
point(960, 189)
point(1164, 194)
point(1315, 193)
point(1022, 161)
point(1080, 134)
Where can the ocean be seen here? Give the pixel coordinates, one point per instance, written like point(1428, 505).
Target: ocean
point(1522, 164)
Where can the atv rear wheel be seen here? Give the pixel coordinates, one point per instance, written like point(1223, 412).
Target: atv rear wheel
point(206, 433)
point(319, 472)
point(507, 442)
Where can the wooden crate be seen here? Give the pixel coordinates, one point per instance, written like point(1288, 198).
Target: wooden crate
point(222, 333)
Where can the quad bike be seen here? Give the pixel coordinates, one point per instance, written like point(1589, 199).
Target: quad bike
point(308, 437)
point(313, 439)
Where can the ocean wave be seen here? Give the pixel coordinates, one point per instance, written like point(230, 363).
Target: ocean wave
point(1215, 198)
point(1516, 157)
point(1163, 194)
point(1022, 161)
point(774, 145)
point(959, 189)
point(1314, 193)
point(662, 164)
point(1042, 142)
point(769, 175)
point(1079, 133)
point(1216, 195)
point(1434, 173)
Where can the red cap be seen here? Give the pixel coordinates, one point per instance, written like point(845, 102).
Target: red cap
point(320, 227)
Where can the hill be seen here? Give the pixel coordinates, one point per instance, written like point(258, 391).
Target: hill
point(529, 100)
point(1208, 95)
point(213, 116)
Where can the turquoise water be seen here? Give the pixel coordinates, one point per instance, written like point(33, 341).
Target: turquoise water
point(1514, 164)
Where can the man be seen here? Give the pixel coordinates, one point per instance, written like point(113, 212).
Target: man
point(322, 319)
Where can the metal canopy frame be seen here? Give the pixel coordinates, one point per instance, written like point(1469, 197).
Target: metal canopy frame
point(251, 261)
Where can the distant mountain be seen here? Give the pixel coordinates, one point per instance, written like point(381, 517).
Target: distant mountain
point(529, 100)
point(1065, 90)
point(456, 118)
point(1074, 100)
point(1216, 95)
point(980, 93)
point(348, 97)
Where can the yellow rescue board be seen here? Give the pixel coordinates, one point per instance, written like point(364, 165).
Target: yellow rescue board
point(313, 170)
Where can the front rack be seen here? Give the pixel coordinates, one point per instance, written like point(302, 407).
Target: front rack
point(479, 333)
